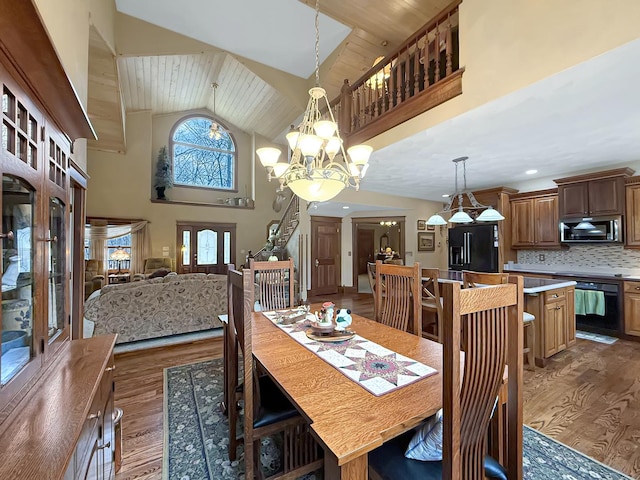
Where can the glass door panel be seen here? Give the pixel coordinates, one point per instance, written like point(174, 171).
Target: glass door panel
point(57, 269)
point(207, 247)
point(18, 292)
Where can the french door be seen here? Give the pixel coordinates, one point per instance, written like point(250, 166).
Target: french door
point(205, 247)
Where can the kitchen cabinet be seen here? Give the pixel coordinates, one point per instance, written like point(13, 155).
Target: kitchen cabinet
point(595, 194)
point(534, 220)
point(632, 308)
point(632, 217)
point(66, 419)
point(555, 322)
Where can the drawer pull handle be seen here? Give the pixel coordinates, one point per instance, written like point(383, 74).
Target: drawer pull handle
point(110, 369)
point(637, 288)
point(106, 445)
point(93, 416)
point(555, 295)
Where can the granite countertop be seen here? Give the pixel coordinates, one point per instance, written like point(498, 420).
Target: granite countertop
point(531, 285)
point(631, 274)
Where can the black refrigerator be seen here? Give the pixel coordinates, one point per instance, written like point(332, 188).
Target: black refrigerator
point(474, 247)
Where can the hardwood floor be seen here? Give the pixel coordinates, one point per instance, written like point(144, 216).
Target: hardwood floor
point(587, 397)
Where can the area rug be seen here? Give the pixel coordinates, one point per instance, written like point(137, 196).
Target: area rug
point(196, 437)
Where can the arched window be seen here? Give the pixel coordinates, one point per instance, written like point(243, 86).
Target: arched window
point(201, 160)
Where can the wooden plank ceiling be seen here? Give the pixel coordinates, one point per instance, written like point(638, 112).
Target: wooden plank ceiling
point(175, 83)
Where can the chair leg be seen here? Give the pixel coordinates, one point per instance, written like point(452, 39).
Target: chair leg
point(531, 345)
point(249, 460)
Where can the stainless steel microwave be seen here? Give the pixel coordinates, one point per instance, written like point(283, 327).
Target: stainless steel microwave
point(591, 230)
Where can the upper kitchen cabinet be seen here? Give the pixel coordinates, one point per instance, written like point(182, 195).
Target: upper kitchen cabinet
point(593, 194)
point(632, 217)
point(534, 220)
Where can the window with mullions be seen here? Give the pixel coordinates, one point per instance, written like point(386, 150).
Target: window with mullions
point(201, 159)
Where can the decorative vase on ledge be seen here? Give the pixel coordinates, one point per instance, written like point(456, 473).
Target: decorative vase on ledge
point(160, 193)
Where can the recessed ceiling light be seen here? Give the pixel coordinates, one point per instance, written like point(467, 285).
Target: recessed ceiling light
point(531, 172)
point(346, 207)
point(446, 195)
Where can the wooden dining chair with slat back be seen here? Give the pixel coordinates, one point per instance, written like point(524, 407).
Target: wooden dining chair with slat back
point(475, 279)
point(400, 306)
point(489, 318)
point(275, 282)
point(266, 409)
point(431, 305)
point(371, 274)
point(274, 291)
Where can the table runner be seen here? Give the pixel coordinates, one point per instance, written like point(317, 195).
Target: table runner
point(374, 367)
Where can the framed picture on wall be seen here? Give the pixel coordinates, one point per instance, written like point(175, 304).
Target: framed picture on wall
point(422, 224)
point(426, 242)
point(431, 228)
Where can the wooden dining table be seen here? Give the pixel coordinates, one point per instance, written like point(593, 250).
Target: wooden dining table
point(347, 420)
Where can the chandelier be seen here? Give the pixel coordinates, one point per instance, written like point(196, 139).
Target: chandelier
point(488, 215)
point(215, 130)
point(318, 169)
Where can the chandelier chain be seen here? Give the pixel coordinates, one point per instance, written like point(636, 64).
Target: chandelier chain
point(317, 43)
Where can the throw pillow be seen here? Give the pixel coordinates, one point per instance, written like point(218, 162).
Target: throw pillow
point(426, 444)
point(161, 272)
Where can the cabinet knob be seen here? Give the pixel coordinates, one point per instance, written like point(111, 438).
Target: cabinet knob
point(637, 288)
point(558, 308)
point(555, 295)
point(110, 369)
point(93, 416)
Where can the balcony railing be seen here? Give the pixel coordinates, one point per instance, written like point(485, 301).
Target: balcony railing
point(421, 74)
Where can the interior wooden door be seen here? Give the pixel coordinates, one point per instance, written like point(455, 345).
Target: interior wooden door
point(205, 247)
point(325, 255)
point(365, 248)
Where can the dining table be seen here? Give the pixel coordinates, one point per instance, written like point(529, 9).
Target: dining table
point(347, 420)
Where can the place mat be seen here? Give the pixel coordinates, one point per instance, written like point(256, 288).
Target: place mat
point(374, 367)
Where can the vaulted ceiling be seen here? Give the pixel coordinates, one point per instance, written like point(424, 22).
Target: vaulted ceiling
point(247, 47)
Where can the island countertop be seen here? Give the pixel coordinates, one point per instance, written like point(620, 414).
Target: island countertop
point(531, 285)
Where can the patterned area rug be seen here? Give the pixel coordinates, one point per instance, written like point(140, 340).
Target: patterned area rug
point(196, 437)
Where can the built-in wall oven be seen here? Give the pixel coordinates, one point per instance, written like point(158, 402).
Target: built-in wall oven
point(598, 306)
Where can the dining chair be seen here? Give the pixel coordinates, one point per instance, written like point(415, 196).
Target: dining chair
point(431, 305)
point(266, 409)
point(474, 279)
point(371, 274)
point(275, 281)
point(489, 318)
point(400, 306)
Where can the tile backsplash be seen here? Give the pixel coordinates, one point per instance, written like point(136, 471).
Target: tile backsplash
point(584, 256)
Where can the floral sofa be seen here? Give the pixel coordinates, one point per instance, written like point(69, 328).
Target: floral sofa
point(157, 307)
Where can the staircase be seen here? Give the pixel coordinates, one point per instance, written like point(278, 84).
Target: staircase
point(280, 234)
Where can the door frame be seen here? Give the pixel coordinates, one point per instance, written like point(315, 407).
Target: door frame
point(223, 225)
point(315, 219)
point(355, 222)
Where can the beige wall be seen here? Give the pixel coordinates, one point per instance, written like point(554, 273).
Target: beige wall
point(121, 186)
point(67, 23)
point(506, 45)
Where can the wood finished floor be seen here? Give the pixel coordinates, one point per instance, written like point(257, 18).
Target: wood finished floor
point(587, 398)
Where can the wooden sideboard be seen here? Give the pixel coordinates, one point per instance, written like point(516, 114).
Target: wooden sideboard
point(63, 427)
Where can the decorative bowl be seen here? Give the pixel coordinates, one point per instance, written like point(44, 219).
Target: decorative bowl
point(322, 327)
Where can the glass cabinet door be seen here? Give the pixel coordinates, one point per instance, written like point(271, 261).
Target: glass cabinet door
point(18, 206)
point(57, 269)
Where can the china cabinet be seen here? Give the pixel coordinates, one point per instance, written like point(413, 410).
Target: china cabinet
point(56, 394)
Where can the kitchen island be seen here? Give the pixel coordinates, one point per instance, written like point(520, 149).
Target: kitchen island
point(552, 302)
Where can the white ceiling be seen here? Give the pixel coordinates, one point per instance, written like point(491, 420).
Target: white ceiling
point(582, 118)
point(272, 27)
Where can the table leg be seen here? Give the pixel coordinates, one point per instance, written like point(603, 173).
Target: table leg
point(356, 469)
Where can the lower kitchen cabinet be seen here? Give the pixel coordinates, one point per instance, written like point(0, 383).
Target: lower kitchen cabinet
point(555, 322)
point(632, 308)
point(66, 419)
